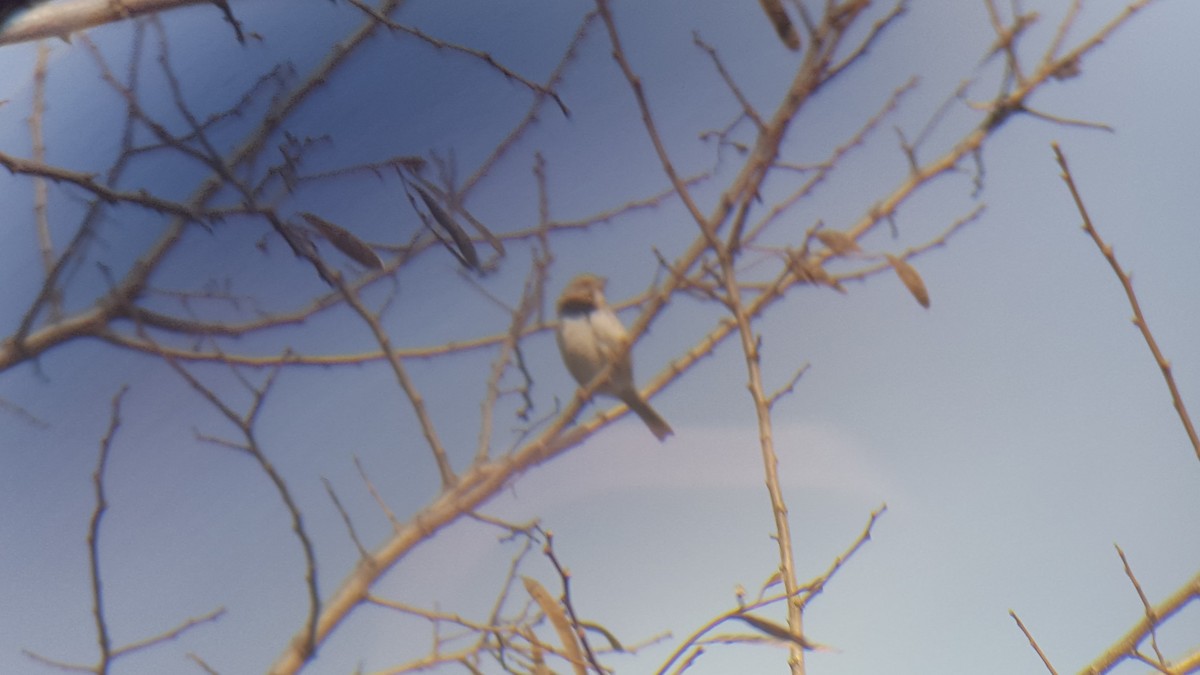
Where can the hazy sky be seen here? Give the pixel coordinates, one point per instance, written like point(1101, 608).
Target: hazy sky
point(1017, 429)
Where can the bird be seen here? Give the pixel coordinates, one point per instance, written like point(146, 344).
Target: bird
point(590, 337)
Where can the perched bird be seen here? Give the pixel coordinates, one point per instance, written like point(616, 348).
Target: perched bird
point(590, 337)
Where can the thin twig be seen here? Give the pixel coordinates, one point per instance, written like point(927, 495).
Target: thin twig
point(391, 515)
point(172, 634)
point(93, 537)
point(337, 503)
point(45, 244)
point(747, 108)
point(1146, 607)
point(816, 586)
point(1126, 646)
point(245, 424)
point(476, 53)
point(1139, 319)
point(1033, 642)
point(565, 577)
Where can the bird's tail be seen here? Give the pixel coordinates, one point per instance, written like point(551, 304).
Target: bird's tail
point(658, 426)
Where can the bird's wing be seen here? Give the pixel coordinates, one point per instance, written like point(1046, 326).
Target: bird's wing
point(613, 343)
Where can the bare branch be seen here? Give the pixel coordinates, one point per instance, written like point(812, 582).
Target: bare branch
point(1126, 646)
point(93, 538)
point(1033, 643)
point(245, 425)
point(171, 634)
point(337, 503)
point(61, 19)
point(45, 244)
point(481, 55)
point(391, 516)
point(1150, 616)
point(1139, 319)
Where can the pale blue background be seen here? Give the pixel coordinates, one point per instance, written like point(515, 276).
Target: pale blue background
point(1016, 430)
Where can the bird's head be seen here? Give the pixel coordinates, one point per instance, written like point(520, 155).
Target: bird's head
point(584, 294)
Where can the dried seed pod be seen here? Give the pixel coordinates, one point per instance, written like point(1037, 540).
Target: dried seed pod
point(1067, 69)
point(809, 271)
point(783, 25)
point(911, 279)
point(775, 630)
point(558, 618)
point(463, 248)
point(300, 242)
point(838, 242)
point(342, 240)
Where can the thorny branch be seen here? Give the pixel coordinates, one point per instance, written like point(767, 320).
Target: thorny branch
point(108, 653)
point(93, 538)
point(1033, 643)
point(1127, 646)
point(1139, 319)
point(802, 595)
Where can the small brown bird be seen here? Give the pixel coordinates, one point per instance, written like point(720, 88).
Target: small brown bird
point(590, 336)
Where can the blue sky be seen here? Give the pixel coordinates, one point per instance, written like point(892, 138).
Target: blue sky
point(1016, 429)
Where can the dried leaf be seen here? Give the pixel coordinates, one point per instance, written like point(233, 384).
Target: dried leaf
point(558, 618)
point(345, 242)
point(539, 661)
point(1067, 69)
point(783, 25)
point(809, 271)
point(299, 241)
point(465, 247)
point(301, 244)
point(773, 629)
point(912, 281)
point(839, 242)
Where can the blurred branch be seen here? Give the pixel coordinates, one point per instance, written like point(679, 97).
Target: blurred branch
point(337, 504)
point(660, 149)
point(26, 344)
point(93, 538)
point(98, 321)
point(172, 634)
point(711, 267)
point(89, 183)
point(508, 634)
point(470, 51)
point(416, 400)
point(61, 19)
point(575, 624)
point(750, 344)
point(109, 654)
point(45, 243)
point(741, 613)
point(245, 424)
